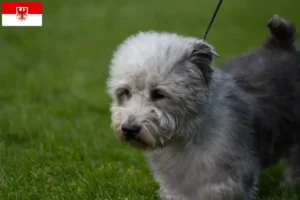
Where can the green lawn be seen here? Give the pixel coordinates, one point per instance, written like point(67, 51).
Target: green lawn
point(55, 136)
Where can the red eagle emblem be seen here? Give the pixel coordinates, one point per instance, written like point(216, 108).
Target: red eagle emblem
point(22, 13)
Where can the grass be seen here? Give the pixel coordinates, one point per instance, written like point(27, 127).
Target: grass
point(55, 139)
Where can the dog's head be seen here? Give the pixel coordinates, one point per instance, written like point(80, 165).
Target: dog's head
point(157, 82)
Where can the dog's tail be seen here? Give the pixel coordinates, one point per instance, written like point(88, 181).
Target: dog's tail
point(282, 34)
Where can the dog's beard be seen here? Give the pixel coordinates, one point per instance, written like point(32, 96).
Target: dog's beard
point(156, 128)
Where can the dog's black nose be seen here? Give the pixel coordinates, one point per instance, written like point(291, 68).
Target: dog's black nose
point(131, 130)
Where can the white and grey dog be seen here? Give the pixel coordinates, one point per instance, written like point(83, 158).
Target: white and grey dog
point(208, 132)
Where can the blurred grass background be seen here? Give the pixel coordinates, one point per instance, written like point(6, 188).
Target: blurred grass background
point(55, 139)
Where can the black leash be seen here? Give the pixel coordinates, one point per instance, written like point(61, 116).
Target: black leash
point(212, 20)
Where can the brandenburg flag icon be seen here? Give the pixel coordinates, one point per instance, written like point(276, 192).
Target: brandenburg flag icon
point(22, 14)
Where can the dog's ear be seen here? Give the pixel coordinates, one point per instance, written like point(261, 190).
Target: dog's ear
point(202, 56)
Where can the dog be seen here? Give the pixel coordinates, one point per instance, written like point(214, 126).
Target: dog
point(208, 132)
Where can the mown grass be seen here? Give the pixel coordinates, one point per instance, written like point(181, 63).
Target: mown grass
point(55, 139)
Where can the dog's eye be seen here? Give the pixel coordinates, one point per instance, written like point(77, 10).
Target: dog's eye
point(121, 93)
point(126, 92)
point(156, 95)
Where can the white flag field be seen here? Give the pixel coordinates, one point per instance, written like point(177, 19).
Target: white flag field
point(22, 14)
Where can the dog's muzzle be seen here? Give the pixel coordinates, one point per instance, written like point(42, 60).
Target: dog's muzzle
point(131, 130)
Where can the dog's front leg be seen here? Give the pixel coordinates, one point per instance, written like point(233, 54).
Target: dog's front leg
point(171, 195)
point(220, 192)
point(226, 190)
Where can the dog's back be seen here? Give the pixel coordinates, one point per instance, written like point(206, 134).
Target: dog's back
point(272, 74)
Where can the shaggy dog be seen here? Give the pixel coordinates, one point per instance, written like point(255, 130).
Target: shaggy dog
point(208, 132)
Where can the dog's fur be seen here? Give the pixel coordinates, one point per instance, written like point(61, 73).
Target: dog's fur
point(208, 132)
